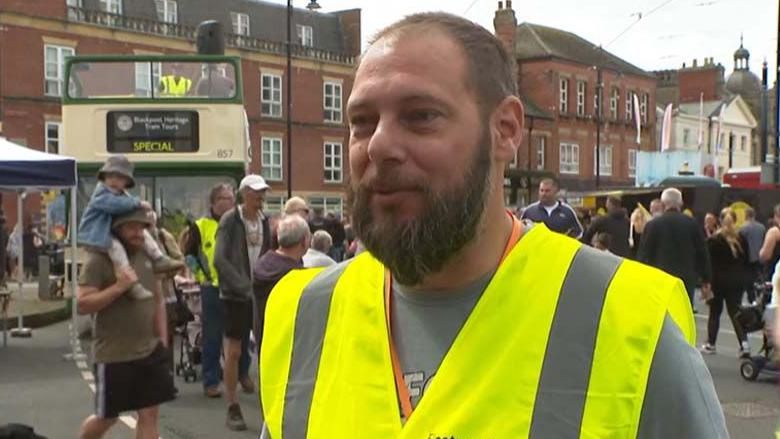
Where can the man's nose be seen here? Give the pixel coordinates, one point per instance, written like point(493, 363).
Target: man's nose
point(387, 142)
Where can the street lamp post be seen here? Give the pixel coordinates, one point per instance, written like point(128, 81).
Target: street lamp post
point(313, 5)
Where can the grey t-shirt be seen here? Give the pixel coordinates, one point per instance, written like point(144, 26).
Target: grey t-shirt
point(680, 400)
point(754, 235)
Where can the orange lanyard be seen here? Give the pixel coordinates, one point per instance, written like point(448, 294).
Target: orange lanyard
point(403, 392)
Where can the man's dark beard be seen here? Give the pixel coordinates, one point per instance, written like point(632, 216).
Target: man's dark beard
point(416, 248)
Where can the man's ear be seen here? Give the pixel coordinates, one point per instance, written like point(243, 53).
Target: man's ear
point(507, 124)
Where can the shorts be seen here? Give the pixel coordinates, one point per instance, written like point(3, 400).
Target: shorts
point(238, 318)
point(133, 385)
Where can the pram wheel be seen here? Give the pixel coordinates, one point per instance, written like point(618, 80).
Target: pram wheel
point(749, 370)
point(190, 376)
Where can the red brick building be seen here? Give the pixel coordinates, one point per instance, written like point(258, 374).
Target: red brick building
point(557, 77)
point(36, 36)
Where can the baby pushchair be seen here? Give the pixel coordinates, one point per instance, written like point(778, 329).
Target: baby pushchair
point(756, 317)
point(189, 330)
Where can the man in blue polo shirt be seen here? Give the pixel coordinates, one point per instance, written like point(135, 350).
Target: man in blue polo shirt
point(555, 214)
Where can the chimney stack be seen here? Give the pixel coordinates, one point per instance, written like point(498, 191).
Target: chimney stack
point(695, 62)
point(505, 25)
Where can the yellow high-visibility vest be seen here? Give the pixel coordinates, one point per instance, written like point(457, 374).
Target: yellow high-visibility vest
point(207, 227)
point(175, 85)
point(560, 344)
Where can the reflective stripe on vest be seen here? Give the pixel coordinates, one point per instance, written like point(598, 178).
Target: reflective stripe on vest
point(176, 85)
point(208, 243)
point(559, 345)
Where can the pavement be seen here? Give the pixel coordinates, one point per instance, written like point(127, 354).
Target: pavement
point(53, 393)
point(35, 311)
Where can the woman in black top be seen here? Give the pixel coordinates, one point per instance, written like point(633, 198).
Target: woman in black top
point(729, 259)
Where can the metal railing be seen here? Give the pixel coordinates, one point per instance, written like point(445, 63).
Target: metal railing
point(173, 30)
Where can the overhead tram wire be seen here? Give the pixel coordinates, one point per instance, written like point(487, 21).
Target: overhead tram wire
point(640, 17)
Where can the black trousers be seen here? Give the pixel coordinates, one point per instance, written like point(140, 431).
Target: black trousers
point(732, 299)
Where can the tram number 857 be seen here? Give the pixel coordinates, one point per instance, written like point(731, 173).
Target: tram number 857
point(224, 153)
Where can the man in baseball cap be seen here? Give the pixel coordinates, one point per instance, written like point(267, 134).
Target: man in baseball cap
point(242, 237)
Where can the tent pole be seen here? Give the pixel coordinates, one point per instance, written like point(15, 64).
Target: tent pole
point(20, 330)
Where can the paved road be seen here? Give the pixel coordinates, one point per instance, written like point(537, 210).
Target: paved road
point(39, 388)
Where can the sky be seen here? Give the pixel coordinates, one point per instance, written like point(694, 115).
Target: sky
point(670, 32)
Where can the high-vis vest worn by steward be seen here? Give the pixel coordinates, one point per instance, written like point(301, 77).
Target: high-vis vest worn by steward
point(208, 243)
point(175, 85)
point(559, 345)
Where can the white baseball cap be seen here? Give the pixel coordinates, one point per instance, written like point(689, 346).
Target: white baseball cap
point(254, 182)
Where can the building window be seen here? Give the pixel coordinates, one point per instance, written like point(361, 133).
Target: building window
point(271, 96)
point(54, 69)
point(581, 98)
point(564, 96)
point(327, 204)
point(570, 159)
point(271, 158)
point(147, 75)
point(632, 163)
point(743, 144)
point(167, 11)
point(614, 101)
point(605, 160)
point(240, 23)
point(333, 160)
point(332, 101)
point(686, 136)
point(541, 150)
point(274, 204)
point(75, 3)
point(643, 107)
point(52, 135)
point(305, 35)
point(629, 105)
point(111, 6)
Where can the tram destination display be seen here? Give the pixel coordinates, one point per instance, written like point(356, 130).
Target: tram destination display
point(150, 132)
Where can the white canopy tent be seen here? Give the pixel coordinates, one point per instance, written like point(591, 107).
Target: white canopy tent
point(22, 170)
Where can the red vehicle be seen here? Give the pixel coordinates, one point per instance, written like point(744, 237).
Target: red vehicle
point(747, 178)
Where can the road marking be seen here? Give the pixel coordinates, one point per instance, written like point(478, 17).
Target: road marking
point(82, 365)
point(129, 421)
point(87, 375)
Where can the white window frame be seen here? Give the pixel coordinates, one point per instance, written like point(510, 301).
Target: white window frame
point(53, 85)
point(614, 102)
point(333, 162)
point(686, 138)
point(581, 97)
point(111, 6)
point(142, 77)
point(743, 143)
point(167, 11)
point(333, 112)
point(541, 153)
point(333, 204)
point(269, 106)
point(569, 159)
point(48, 139)
point(605, 157)
point(643, 100)
point(632, 154)
point(305, 35)
point(240, 22)
point(629, 105)
point(563, 96)
point(75, 3)
point(270, 149)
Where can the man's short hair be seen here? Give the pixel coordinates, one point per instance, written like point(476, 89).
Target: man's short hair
point(750, 213)
point(672, 198)
point(614, 201)
point(218, 189)
point(295, 204)
point(291, 231)
point(549, 180)
point(490, 67)
point(321, 241)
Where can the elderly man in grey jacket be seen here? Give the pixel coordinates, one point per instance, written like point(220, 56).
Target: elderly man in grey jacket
point(242, 237)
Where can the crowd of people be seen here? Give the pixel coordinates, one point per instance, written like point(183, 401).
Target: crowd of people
point(236, 254)
point(723, 261)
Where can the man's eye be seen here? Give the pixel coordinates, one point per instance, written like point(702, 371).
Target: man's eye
point(422, 116)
